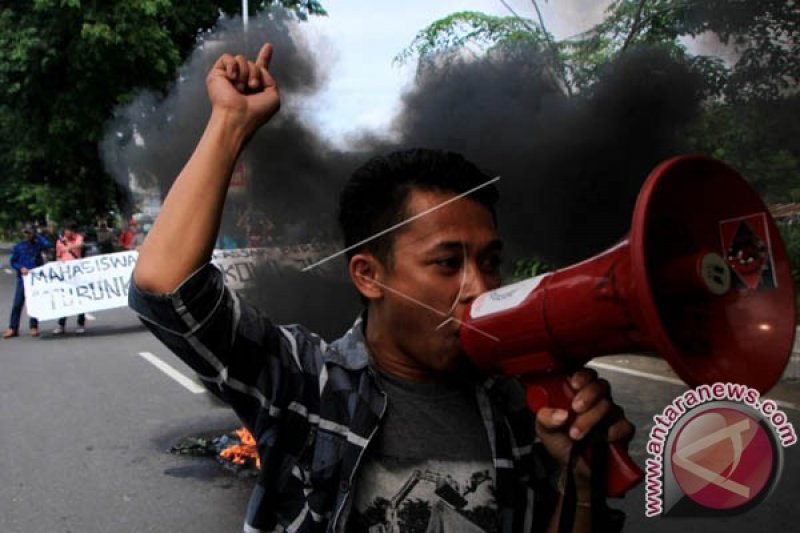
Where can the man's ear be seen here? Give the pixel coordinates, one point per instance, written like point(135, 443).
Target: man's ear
point(367, 274)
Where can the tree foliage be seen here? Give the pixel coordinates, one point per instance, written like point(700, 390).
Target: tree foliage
point(760, 139)
point(750, 76)
point(762, 35)
point(64, 66)
point(473, 32)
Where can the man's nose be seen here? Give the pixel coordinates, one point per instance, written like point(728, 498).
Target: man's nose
point(476, 282)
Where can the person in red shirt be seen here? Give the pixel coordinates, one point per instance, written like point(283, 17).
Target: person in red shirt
point(68, 248)
point(126, 239)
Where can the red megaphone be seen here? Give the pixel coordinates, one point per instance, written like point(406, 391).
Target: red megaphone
point(702, 279)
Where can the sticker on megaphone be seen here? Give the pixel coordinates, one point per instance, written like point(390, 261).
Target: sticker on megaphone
point(504, 298)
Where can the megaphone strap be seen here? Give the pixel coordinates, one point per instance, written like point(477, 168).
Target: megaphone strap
point(604, 520)
point(566, 520)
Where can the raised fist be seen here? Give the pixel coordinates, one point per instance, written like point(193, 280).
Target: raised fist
point(245, 89)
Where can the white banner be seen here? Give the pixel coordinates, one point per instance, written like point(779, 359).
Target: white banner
point(238, 266)
point(66, 288)
point(100, 282)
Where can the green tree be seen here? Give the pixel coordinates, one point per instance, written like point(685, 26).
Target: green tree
point(761, 139)
point(751, 101)
point(64, 66)
point(764, 35)
point(473, 32)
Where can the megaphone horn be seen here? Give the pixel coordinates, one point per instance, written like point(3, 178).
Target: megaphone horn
point(703, 279)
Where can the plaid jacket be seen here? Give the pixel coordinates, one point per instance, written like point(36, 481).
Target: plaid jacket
point(313, 408)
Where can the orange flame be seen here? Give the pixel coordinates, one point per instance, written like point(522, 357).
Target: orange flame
point(240, 453)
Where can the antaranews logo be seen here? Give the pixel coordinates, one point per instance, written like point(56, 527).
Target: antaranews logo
point(716, 450)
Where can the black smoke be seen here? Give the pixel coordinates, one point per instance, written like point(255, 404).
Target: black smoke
point(571, 167)
point(288, 163)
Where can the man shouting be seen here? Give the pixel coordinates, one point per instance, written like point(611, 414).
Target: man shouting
point(387, 428)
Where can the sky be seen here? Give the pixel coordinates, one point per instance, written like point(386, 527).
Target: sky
point(360, 41)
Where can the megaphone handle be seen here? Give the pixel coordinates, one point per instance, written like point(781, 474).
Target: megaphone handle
point(553, 390)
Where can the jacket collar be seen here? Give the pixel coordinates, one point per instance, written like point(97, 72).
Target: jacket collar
point(350, 350)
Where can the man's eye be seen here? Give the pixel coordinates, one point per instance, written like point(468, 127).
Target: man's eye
point(450, 263)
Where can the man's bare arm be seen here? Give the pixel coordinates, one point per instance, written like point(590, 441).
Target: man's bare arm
point(244, 96)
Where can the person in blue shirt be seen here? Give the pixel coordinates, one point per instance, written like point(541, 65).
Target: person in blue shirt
point(25, 255)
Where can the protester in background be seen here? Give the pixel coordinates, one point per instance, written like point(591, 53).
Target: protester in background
point(68, 248)
point(50, 233)
point(105, 235)
point(226, 238)
point(26, 254)
point(126, 239)
point(138, 238)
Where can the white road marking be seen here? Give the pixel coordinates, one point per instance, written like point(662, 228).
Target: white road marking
point(637, 373)
point(189, 384)
point(666, 379)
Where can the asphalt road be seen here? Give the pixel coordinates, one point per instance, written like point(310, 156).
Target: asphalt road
point(85, 425)
point(642, 398)
point(86, 422)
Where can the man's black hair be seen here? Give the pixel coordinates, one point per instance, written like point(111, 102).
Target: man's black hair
point(375, 196)
point(71, 225)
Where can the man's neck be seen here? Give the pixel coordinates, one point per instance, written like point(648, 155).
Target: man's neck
point(389, 357)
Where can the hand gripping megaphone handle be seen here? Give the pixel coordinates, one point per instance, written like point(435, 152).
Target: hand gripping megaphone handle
point(553, 390)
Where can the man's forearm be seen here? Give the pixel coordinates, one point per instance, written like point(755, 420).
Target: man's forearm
point(182, 237)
